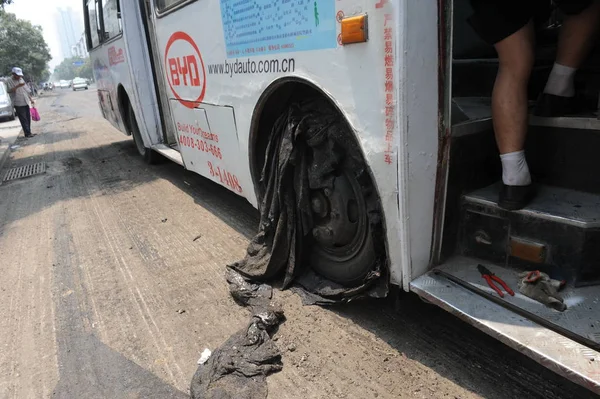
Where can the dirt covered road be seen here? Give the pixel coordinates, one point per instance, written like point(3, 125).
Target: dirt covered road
point(113, 284)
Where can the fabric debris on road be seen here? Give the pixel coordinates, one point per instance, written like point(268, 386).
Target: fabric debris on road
point(239, 367)
point(308, 130)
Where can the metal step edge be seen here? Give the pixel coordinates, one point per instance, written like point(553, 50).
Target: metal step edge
point(481, 197)
point(560, 354)
point(169, 153)
point(475, 126)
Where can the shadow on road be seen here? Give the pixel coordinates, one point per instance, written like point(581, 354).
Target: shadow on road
point(87, 367)
point(90, 369)
point(456, 350)
point(113, 168)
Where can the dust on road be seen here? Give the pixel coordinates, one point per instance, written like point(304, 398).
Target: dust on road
point(104, 298)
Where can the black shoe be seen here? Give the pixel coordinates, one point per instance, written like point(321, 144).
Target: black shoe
point(513, 198)
point(549, 106)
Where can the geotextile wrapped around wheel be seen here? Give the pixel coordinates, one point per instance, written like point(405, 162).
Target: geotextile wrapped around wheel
point(310, 147)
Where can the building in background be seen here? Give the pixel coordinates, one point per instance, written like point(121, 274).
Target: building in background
point(69, 27)
point(79, 49)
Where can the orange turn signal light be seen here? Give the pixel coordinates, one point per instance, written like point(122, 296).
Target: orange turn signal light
point(354, 29)
point(527, 250)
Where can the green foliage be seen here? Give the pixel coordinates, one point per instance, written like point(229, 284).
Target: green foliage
point(45, 76)
point(22, 44)
point(5, 2)
point(67, 71)
point(86, 71)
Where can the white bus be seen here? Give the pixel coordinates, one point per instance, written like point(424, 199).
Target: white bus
point(202, 83)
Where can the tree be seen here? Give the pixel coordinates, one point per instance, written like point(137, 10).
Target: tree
point(69, 68)
point(22, 44)
point(45, 75)
point(5, 2)
point(86, 71)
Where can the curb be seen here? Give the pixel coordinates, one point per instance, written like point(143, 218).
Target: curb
point(5, 150)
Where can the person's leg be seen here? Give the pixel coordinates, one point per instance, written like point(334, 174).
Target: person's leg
point(509, 97)
point(510, 114)
point(577, 36)
point(25, 119)
point(21, 114)
point(508, 26)
point(27, 113)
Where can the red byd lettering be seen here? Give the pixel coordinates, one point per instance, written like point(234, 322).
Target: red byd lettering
point(185, 71)
point(174, 71)
point(193, 70)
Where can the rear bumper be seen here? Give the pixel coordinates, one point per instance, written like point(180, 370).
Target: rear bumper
point(562, 355)
point(6, 110)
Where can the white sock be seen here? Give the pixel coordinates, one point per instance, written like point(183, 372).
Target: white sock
point(515, 171)
point(561, 81)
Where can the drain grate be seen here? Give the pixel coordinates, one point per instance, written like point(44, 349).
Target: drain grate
point(25, 171)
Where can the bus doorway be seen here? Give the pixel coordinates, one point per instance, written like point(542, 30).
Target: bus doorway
point(554, 235)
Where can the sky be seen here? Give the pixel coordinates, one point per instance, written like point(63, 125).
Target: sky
point(41, 12)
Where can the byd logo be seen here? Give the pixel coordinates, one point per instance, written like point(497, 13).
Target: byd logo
point(185, 69)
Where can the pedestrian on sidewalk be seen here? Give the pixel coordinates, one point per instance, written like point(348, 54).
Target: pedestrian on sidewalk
point(21, 99)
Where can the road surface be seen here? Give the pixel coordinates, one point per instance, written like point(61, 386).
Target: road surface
point(106, 294)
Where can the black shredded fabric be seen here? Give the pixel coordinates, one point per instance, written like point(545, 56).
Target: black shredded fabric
point(302, 155)
point(246, 293)
point(238, 368)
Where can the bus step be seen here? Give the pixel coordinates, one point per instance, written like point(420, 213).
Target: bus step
point(566, 357)
point(169, 153)
point(559, 231)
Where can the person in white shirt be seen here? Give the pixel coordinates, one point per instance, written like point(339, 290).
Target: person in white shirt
point(21, 99)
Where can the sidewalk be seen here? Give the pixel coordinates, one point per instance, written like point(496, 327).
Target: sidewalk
point(9, 131)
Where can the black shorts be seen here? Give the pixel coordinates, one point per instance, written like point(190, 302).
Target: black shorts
point(495, 20)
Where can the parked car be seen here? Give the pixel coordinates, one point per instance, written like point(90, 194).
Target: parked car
point(80, 83)
point(7, 110)
point(64, 84)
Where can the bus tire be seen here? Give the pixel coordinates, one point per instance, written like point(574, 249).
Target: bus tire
point(347, 241)
point(350, 261)
point(146, 153)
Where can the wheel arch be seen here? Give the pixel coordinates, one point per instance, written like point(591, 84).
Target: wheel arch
point(272, 102)
point(124, 104)
point(274, 99)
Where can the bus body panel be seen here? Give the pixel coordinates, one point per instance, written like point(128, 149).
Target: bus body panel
point(124, 62)
point(201, 67)
point(206, 81)
point(144, 94)
point(111, 69)
point(418, 134)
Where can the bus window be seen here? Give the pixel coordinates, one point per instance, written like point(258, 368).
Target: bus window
point(162, 5)
point(112, 19)
point(94, 23)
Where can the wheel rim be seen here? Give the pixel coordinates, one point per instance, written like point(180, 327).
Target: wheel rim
point(340, 219)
